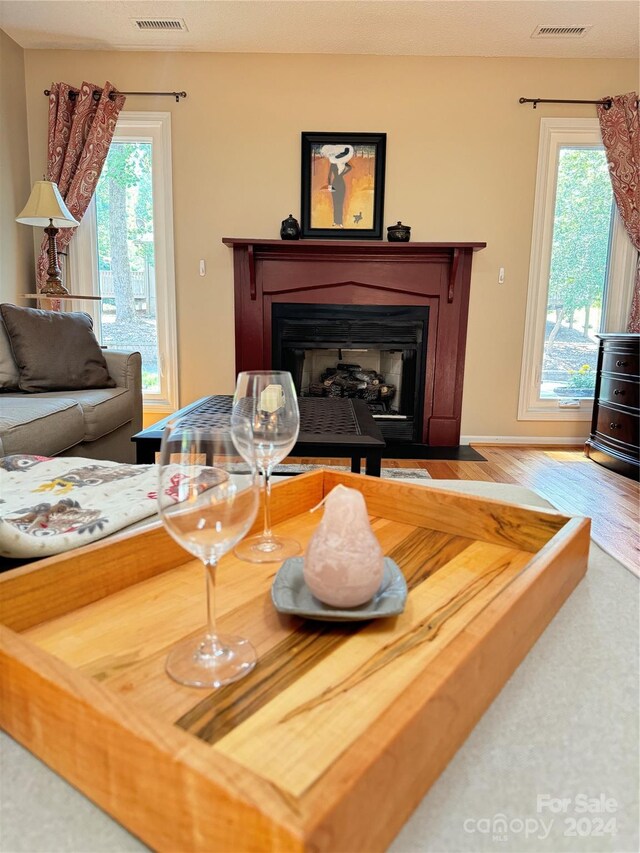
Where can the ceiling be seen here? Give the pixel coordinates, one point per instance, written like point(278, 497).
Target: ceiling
point(394, 27)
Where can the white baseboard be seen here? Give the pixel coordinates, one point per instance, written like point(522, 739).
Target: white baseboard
point(523, 440)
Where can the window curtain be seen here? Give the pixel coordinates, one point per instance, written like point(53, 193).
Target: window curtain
point(620, 128)
point(80, 133)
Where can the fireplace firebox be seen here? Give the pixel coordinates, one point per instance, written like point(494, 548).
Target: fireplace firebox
point(371, 352)
point(337, 278)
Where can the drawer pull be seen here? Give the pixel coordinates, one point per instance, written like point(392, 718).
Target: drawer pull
point(615, 426)
point(621, 363)
point(619, 391)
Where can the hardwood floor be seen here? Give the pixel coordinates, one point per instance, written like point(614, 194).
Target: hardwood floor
point(565, 477)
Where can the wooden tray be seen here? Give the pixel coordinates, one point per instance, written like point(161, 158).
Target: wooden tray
point(331, 742)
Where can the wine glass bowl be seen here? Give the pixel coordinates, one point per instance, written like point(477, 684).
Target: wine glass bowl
point(208, 499)
point(210, 514)
point(268, 399)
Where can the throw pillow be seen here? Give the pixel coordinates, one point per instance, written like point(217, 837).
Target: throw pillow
point(55, 350)
point(9, 375)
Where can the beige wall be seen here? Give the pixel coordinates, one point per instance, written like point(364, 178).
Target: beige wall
point(461, 164)
point(16, 247)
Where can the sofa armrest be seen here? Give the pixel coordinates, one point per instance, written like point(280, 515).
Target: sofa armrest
point(126, 369)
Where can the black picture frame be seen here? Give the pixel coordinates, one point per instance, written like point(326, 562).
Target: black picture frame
point(327, 159)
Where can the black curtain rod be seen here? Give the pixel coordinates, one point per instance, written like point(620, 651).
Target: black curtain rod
point(112, 95)
point(607, 103)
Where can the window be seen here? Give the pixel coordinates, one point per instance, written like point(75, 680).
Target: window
point(580, 275)
point(123, 252)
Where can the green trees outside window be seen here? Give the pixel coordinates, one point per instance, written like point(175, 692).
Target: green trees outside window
point(578, 271)
point(126, 263)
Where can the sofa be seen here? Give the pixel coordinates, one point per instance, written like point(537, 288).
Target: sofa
point(93, 422)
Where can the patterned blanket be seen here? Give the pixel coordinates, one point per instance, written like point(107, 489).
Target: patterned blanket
point(51, 505)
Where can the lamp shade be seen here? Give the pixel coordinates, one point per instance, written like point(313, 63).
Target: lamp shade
point(45, 204)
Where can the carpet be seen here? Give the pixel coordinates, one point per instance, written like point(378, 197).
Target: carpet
point(387, 473)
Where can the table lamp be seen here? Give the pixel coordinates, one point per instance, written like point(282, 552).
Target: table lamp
point(46, 208)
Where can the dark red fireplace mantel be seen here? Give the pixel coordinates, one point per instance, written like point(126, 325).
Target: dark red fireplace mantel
point(363, 272)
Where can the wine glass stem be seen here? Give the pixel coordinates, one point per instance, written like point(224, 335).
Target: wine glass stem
point(266, 533)
point(212, 634)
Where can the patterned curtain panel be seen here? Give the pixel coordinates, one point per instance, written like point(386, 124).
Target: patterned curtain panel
point(620, 127)
point(80, 132)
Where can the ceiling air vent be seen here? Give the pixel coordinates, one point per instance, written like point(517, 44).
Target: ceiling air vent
point(159, 24)
point(541, 32)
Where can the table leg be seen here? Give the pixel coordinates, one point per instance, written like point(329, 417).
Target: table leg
point(355, 464)
point(146, 452)
point(374, 464)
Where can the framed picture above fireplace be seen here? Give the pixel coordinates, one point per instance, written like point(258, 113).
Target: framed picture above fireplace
point(343, 185)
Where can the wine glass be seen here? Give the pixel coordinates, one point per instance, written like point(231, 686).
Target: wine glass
point(268, 399)
point(208, 498)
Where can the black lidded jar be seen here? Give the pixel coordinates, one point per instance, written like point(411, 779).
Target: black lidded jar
point(290, 228)
point(399, 233)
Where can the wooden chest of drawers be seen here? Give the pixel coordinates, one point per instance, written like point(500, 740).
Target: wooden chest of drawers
point(615, 432)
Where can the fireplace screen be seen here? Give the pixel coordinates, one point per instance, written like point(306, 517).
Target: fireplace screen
point(374, 353)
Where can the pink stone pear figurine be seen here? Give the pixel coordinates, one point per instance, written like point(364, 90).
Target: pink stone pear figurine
point(344, 563)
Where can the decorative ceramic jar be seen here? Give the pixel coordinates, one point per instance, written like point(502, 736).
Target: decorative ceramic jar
point(290, 228)
point(399, 233)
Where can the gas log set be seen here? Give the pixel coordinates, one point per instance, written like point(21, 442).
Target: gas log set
point(352, 380)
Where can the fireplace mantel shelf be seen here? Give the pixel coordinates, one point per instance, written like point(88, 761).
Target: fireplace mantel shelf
point(301, 245)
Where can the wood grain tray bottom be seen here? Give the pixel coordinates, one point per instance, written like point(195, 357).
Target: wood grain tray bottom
point(338, 732)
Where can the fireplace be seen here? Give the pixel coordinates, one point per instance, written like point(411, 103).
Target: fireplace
point(295, 301)
point(371, 352)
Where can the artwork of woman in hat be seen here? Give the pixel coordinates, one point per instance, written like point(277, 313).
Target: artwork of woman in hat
point(338, 157)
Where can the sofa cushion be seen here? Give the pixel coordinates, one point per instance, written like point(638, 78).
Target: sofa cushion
point(9, 373)
point(103, 409)
point(39, 427)
point(55, 350)
point(53, 505)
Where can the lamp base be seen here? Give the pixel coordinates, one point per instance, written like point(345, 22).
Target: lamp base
point(54, 290)
point(54, 287)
